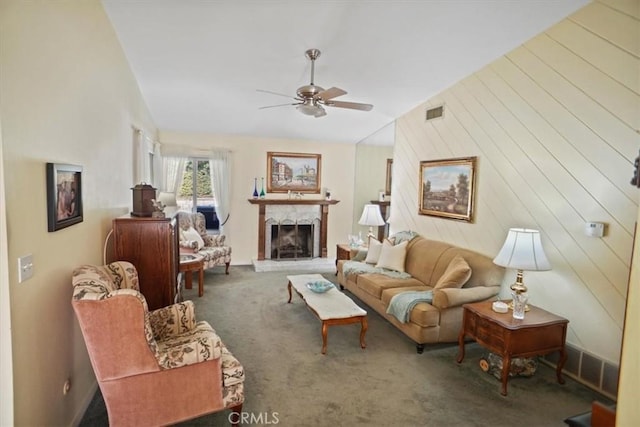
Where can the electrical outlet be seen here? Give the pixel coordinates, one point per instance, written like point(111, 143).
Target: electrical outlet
point(25, 268)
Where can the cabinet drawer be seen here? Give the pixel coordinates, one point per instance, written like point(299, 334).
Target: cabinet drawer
point(489, 333)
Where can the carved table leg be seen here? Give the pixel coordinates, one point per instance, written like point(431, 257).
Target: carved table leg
point(506, 366)
point(188, 279)
point(363, 330)
point(201, 281)
point(289, 288)
point(460, 347)
point(561, 362)
point(325, 328)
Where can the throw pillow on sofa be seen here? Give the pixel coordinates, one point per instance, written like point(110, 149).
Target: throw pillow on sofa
point(392, 256)
point(456, 274)
point(373, 253)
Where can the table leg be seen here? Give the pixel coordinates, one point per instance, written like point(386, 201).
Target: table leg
point(560, 365)
point(506, 367)
point(325, 328)
point(289, 288)
point(460, 347)
point(201, 281)
point(363, 330)
point(188, 279)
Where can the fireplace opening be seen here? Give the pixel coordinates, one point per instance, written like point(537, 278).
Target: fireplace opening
point(291, 241)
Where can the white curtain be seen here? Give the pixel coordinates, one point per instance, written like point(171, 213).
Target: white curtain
point(173, 168)
point(219, 165)
point(158, 173)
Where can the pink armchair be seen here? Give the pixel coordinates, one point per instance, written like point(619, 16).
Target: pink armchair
point(194, 238)
point(153, 367)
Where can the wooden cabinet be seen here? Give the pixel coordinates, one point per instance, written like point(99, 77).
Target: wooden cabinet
point(151, 245)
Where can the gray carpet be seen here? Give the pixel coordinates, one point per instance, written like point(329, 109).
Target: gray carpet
point(290, 383)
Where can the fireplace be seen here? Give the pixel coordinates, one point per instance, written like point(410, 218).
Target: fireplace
point(312, 212)
point(291, 241)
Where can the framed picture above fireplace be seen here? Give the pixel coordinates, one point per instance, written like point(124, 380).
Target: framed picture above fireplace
point(296, 172)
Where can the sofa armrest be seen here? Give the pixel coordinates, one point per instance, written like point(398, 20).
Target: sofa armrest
point(451, 297)
point(173, 320)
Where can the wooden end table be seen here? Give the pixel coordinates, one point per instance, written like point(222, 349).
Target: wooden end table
point(539, 333)
point(345, 251)
point(190, 263)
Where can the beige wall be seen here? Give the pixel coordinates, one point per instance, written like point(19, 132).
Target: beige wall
point(371, 170)
point(68, 96)
point(553, 126)
point(249, 160)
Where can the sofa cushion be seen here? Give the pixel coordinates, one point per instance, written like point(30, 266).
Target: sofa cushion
point(374, 283)
point(456, 274)
point(373, 252)
point(392, 257)
point(423, 313)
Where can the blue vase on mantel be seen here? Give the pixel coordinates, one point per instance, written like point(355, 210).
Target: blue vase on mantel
point(262, 191)
point(255, 188)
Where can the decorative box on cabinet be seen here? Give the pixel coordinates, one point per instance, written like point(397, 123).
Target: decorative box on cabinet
point(151, 245)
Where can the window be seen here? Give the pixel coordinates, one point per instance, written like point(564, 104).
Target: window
point(196, 193)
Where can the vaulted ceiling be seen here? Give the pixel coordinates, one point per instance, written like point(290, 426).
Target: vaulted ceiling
point(200, 63)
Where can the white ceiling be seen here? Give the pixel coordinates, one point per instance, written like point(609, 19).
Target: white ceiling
point(199, 62)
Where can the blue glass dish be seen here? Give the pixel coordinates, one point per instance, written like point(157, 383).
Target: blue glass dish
point(320, 286)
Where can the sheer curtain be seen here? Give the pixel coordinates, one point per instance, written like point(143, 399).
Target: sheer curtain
point(173, 168)
point(219, 165)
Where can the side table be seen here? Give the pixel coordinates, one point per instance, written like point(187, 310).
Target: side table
point(190, 263)
point(539, 333)
point(346, 252)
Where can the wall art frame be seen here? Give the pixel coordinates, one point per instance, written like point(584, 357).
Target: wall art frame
point(447, 188)
point(64, 195)
point(295, 172)
point(387, 182)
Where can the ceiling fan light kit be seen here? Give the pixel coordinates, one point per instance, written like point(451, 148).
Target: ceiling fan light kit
point(311, 99)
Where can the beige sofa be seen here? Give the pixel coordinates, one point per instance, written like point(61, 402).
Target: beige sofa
point(428, 264)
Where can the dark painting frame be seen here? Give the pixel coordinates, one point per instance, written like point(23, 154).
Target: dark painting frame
point(64, 195)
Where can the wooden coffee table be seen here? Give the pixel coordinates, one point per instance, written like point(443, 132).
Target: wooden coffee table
point(190, 263)
point(331, 307)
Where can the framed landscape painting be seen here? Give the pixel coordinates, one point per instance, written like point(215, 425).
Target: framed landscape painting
point(447, 188)
point(296, 172)
point(64, 195)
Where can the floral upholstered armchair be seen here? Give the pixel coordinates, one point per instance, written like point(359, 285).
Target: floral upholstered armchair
point(153, 367)
point(194, 238)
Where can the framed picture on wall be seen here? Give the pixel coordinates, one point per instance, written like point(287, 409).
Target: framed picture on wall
point(64, 195)
point(296, 172)
point(387, 185)
point(447, 188)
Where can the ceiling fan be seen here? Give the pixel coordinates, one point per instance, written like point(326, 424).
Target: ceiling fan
point(312, 99)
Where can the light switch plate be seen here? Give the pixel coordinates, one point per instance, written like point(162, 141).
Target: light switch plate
point(25, 268)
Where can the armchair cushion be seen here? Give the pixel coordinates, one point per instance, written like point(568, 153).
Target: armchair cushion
point(172, 320)
point(194, 346)
point(191, 235)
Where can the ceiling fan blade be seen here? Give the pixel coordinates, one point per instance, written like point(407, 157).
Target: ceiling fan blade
point(275, 93)
point(332, 92)
point(278, 105)
point(351, 105)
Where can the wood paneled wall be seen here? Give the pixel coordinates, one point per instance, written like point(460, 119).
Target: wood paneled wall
point(554, 124)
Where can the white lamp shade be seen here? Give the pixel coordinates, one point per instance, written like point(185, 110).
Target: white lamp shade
point(522, 250)
point(371, 216)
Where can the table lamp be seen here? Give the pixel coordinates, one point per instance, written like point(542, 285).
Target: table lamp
point(522, 250)
point(372, 217)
